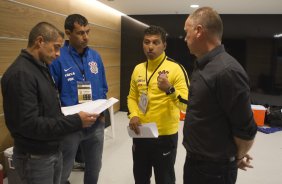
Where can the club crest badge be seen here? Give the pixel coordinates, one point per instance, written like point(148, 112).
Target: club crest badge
point(163, 72)
point(93, 67)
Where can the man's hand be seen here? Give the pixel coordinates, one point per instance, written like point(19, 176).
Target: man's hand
point(244, 163)
point(134, 124)
point(87, 119)
point(163, 82)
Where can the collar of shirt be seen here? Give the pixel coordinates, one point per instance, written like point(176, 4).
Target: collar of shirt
point(152, 64)
point(208, 57)
point(73, 50)
point(26, 54)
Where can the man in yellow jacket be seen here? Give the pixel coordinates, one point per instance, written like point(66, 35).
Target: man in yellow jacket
point(158, 91)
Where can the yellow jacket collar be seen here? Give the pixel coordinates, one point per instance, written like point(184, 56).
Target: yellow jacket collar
point(156, 61)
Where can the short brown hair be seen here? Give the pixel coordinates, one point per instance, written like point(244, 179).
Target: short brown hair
point(48, 31)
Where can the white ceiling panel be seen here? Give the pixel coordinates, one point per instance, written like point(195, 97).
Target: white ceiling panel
point(144, 7)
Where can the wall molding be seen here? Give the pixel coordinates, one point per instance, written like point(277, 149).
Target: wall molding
point(60, 14)
point(102, 46)
point(24, 39)
point(15, 39)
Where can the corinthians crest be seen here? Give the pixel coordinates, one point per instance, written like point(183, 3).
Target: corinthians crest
point(93, 67)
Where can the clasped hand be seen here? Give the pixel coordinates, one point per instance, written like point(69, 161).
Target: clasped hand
point(244, 163)
point(163, 83)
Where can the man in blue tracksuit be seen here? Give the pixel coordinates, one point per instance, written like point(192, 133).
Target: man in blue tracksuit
point(80, 76)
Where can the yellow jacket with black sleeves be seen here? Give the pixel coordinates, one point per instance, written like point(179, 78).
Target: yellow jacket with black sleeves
point(162, 108)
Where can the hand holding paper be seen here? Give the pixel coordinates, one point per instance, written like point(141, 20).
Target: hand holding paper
point(134, 124)
point(96, 106)
point(87, 119)
point(148, 130)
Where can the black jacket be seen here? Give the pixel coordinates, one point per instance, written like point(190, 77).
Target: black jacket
point(218, 107)
point(32, 108)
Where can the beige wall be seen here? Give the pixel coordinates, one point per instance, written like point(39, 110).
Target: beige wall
point(17, 17)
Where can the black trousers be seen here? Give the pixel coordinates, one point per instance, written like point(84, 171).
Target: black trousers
point(199, 171)
point(158, 154)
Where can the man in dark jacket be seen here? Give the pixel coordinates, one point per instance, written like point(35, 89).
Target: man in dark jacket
point(219, 128)
point(32, 109)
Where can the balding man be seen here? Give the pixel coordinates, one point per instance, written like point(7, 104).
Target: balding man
point(219, 128)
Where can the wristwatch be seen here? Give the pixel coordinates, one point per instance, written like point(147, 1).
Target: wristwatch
point(170, 90)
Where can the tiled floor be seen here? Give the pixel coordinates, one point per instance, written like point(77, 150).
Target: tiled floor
point(117, 159)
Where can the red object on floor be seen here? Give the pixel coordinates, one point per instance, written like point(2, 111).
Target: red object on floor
point(259, 114)
point(182, 115)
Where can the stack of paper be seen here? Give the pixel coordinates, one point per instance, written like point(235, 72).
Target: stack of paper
point(148, 130)
point(96, 106)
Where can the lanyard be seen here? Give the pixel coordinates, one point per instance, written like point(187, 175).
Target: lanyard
point(148, 81)
point(80, 69)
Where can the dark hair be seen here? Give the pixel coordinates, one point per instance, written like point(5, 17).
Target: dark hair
point(156, 30)
point(48, 31)
point(71, 19)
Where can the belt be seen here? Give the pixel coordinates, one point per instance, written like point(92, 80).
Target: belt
point(33, 156)
point(194, 156)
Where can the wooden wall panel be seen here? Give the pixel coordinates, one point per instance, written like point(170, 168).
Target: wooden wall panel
point(18, 25)
point(4, 66)
point(1, 105)
point(96, 14)
point(17, 17)
point(105, 34)
point(2, 159)
point(113, 80)
point(5, 139)
point(114, 92)
point(104, 37)
point(110, 56)
point(61, 6)
point(113, 75)
point(10, 49)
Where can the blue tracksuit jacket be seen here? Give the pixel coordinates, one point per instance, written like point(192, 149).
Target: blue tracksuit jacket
point(71, 67)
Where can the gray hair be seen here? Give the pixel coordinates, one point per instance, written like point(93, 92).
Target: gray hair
point(209, 19)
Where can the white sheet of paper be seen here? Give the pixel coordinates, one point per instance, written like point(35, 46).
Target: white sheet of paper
point(148, 130)
point(96, 106)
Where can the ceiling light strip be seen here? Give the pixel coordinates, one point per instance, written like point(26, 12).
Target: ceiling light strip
point(56, 13)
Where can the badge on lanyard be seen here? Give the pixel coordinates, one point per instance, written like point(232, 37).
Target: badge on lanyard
point(84, 91)
point(143, 103)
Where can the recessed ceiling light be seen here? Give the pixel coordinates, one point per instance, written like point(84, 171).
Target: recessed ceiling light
point(194, 6)
point(278, 35)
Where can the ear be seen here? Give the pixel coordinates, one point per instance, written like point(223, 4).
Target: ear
point(164, 45)
point(39, 41)
point(199, 30)
point(68, 32)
